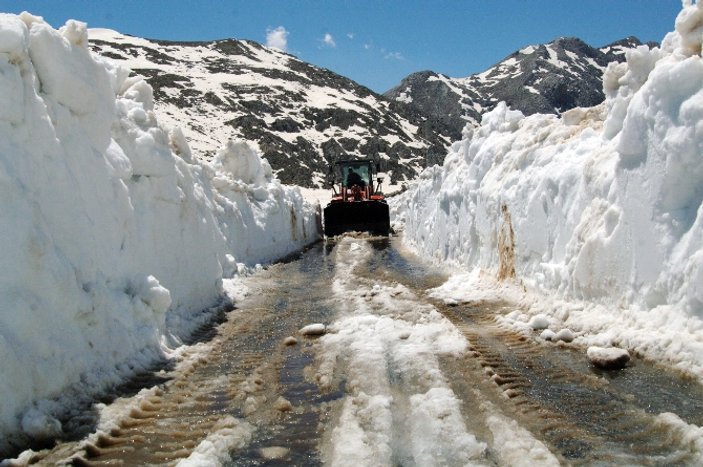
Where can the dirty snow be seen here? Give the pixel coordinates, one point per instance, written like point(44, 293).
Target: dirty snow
point(518, 447)
point(228, 435)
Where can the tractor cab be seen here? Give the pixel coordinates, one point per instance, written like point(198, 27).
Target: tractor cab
point(354, 179)
point(356, 174)
point(358, 205)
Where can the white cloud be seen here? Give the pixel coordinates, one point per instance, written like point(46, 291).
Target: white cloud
point(394, 56)
point(350, 35)
point(277, 38)
point(328, 40)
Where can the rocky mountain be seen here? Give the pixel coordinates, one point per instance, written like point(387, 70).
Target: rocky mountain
point(547, 78)
point(302, 117)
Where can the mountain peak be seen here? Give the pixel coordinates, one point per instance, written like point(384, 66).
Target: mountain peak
point(629, 42)
point(543, 78)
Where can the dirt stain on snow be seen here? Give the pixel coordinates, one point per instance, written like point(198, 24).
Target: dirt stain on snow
point(506, 246)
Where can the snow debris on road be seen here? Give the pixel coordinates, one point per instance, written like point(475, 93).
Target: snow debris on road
point(274, 452)
point(518, 447)
point(283, 405)
point(228, 435)
point(604, 207)
point(684, 434)
point(608, 358)
point(400, 408)
point(539, 322)
point(316, 329)
point(290, 340)
point(564, 335)
point(116, 240)
point(548, 335)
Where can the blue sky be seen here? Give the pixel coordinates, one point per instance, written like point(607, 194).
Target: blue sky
point(376, 43)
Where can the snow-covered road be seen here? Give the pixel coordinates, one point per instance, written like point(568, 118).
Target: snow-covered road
point(398, 378)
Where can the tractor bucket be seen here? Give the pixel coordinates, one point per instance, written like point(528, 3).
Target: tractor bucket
point(357, 216)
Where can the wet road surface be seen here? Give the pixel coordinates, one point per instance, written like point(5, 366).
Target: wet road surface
point(242, 395)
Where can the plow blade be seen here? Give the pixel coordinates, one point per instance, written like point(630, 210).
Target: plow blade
point(357, 216)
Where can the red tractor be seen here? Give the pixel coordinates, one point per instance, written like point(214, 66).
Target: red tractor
point(358, 206)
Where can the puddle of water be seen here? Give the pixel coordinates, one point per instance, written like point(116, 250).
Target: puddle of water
point(292, 438)
point(661, 390)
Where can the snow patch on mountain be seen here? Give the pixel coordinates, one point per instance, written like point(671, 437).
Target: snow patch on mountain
point(115, 238)
point(598, 213)
point(302, 117)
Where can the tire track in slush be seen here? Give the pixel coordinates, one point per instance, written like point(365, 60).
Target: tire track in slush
point(240, 367)
point(584, 415)
point(237, 378)
point(572, 408)
point(167, 425)
point(387, 344)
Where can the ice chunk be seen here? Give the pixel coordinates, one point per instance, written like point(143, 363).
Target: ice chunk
point(539, 322)
point(290, 340)
point(316, 329)
point(564, 335)
point(548, 335)
point(274, 452)
point(611, 358)
point(283, 405)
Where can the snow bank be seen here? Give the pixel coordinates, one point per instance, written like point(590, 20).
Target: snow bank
point(113, 239)
point(602, 208)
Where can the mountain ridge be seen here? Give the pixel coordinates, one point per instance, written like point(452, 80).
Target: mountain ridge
point(542, 78)
point(231, 88)
point(304, 117)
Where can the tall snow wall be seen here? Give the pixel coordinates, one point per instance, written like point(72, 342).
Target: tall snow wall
point(605, 204)
point(113, 238)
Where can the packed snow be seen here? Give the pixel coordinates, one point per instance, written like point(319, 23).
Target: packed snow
point(386, 346)
point(116, 240)
point(591, 222)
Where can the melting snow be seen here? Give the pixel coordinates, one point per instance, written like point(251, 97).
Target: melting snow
point(605, 204)
point(386, 345)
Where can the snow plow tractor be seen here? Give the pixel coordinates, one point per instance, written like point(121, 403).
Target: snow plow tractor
point(358, 206)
